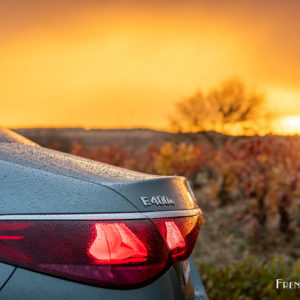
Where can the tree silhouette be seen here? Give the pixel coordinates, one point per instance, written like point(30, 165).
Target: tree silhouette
point(229, 104)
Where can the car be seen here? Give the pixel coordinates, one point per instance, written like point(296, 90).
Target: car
point(74, 228)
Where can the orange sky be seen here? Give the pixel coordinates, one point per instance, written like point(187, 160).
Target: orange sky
point(93, 64)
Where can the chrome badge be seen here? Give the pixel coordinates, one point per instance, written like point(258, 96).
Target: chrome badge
point(157, 200)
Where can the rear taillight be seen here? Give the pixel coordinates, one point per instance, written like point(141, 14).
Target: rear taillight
point(180, 235)
point(119, 254)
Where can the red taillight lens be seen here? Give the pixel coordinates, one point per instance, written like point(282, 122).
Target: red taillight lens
point(180, 235)
point(115, 243)
point(120, 254)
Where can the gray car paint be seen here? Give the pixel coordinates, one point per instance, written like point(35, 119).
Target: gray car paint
point(40, 164)
point(5, 272)
point(31, 191)
point(26, 284)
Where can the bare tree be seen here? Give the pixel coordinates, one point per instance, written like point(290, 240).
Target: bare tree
point(191, 113)
point(229, 104)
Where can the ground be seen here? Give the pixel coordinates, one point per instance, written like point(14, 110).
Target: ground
point(228, 236)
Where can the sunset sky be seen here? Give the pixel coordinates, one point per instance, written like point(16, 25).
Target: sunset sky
point(123, 64)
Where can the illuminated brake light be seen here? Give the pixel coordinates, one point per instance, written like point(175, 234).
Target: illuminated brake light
point(10, 237)
point(114, 254)
point(174, 237)
point(116, 243)
point(180, 235)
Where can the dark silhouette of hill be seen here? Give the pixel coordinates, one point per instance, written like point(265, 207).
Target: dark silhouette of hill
point(127, 138)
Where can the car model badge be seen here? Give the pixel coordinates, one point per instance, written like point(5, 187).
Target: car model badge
point(157, 200)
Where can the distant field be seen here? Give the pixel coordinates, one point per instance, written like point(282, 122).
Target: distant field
point(127, 138)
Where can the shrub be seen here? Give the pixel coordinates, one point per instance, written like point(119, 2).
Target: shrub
point(250, 279)
point(180, 159)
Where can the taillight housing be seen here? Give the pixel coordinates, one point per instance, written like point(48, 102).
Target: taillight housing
point(107, 253)
point(180, 235)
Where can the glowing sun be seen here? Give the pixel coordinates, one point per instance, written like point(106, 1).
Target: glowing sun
point(289, 125)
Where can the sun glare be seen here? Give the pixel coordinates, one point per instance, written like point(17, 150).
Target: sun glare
point(288, 125)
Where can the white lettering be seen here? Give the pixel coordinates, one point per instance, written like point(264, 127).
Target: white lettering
point(157, 200)
point(277, 283)
point(287, 284)
point(166, 200)
point(145, 201)
point(160, 201)
point(154, 200)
